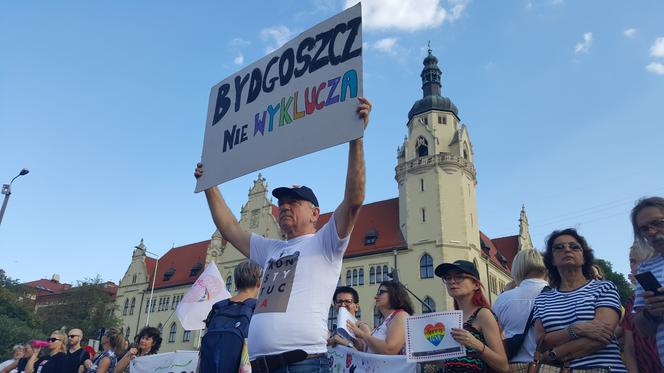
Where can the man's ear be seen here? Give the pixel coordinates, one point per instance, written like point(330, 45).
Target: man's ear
point(315, 214)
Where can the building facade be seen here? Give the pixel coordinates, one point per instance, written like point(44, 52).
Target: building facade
point(433, 220)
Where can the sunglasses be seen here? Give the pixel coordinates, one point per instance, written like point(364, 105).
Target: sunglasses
point(344, 301)
point(455, 278)
point(572, 245)
point(51, 340)
point(73, 335)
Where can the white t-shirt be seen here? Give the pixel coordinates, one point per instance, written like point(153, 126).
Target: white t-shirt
point(512, 309)
point(299, 278)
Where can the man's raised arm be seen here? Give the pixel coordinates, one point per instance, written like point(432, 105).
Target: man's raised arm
point(347, 212)
point(224, 219)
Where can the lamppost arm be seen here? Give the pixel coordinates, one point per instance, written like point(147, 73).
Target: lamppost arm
point(7, 191)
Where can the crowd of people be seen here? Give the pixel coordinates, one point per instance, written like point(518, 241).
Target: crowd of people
point(62, 353)
point(560, 311)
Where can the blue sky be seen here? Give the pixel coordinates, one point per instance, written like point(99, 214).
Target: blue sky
point(105, 103)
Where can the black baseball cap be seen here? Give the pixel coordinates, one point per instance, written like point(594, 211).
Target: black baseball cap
point(298, 192)
point(460, 266)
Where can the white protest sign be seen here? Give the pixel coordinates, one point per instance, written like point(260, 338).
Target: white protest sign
point(296, 100)
point(348, 360)
point(429, 337)
point(197, 302)
point(169, 362)
point(342, 318)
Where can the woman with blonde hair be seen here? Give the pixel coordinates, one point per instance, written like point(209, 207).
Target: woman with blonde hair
point(513, 308)
point(56, 361)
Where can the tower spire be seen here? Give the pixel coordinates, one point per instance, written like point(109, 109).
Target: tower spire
point(430, 75)
point(525, 242)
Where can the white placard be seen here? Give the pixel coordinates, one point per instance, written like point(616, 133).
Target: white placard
point(178, 361)
point(296, 100)
point(349, 360)
point(342, 318)
point(429, 337)
point(197, 302)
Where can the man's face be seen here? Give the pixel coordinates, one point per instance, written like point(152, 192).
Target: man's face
point(345, 300)
point(75, 336)
point(650, 225)
point(297, 217)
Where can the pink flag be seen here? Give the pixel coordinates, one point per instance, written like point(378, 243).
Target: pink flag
point(208, 289)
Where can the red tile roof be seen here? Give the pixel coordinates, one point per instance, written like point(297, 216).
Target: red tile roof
point(182, 259)
point(383, 218)
point(508, 246)
point(47, 286)
point(494, 254)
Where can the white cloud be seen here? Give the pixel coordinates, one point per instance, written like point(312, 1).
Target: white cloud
point(407, 15)
point(584, 46)
point(239, 60)
point(656, 68)
point(239, 42)
point(630, 32)
point(386, 45)
point(279, 35)
point(657, 49)
point(556, 2)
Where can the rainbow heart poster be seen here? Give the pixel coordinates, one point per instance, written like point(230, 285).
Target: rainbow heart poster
point(428, 336)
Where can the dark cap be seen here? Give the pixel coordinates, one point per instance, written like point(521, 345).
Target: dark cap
point(298, 192)
point(460, 265)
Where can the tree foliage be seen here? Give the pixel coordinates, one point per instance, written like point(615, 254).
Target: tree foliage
point(624, 287)
point(85, 306)
point(18, 323)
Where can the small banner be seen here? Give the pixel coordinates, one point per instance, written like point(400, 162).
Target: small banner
point(428, 336)
point(208, 289)
point(349, 360)
point(169, 362)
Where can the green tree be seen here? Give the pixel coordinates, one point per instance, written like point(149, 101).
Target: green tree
point(85, 306)
point(624, 287)
point(18, 323)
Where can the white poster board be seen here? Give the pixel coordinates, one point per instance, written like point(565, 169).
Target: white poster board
point(296, 100)
point(349, 360)
point(169, 362)
point(342, 319)
point(429, 337)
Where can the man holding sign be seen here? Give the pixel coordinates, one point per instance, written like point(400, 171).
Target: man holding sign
point(289, 326)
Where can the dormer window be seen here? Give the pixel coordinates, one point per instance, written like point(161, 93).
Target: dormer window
point(169, 273)
point(486, 249)
point(371, 237)
point(502, 259)
point(196, 269)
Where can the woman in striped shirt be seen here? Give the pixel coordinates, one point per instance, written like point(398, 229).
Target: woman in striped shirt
point(574, 323)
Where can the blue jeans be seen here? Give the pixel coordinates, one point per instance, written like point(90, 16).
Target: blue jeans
point(314, 365)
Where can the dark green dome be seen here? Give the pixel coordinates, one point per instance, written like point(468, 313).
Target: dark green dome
point(431, 90)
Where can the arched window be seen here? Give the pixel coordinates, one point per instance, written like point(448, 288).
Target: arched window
point(385, 272)
point(229, 282)
point(429, 302)
point(133, 304)
point(172, 333)
point(133, 279)
point(331, 318)
point(372, 275)
point(126, 307)
point(422, 147)
point(426, 266)
point(355, 277)
point(348, 277)
point(379, 274)
point(127, 335)
point(361, 282)
point(186, 336)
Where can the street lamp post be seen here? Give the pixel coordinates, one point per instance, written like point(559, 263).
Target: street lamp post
point(7, 191)
point(154, 278)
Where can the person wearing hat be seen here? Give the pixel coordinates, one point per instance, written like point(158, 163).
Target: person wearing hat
point(480, 333)
point(288, 331)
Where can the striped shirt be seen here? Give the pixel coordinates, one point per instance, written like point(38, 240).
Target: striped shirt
point(557, 309)
point(656, 266)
